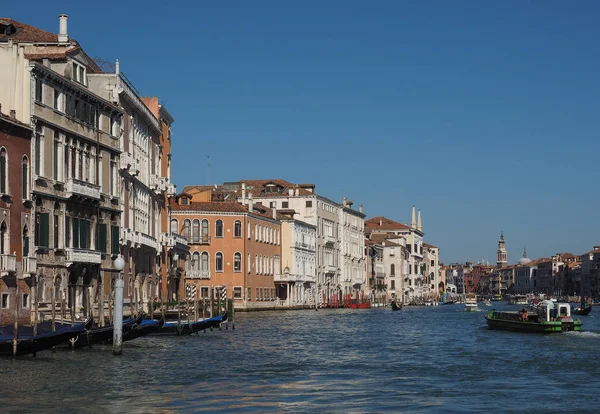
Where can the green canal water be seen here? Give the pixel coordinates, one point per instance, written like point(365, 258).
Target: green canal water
point(420, 359)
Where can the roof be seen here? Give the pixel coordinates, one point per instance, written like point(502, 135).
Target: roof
point(14, 121)
point(595, 251)
point(211, 206)
point(26, 33)
point(431, 246)
point(383, 223)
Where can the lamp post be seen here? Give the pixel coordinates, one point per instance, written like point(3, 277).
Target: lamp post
point(119, 264)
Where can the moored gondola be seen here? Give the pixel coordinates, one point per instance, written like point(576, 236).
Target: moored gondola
point(583, 310)
point(395, 306)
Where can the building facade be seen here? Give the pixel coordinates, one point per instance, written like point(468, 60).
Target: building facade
point(17, 259)
point(353, 275)
point(74, 154)
point(297, 282)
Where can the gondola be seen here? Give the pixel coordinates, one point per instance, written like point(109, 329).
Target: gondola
point(27, 343)
point(395, 306)
point(585, 310)
point(187, 328)
point(146, 327)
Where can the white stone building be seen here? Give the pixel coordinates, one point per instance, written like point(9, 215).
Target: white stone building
point(298, 260)
point(353, 272)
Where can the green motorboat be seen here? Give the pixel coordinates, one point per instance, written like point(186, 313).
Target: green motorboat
point(549, 317)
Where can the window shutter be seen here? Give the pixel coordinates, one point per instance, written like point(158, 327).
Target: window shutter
point(26, 246)
point(114, 233)
point(75, 233)
point(44, 229)
point(101, 240)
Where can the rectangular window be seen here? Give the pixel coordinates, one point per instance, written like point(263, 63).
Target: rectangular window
point(67, 231)
point(38, 153)
point(39, 91)
point(58, 100)
point(273, 204)
point(56, 154)
point(392, 284)
point(237, 292)
point(204, 292)
point(101, 238)
point(42, 221)
point(25, 300)
point(5, 302)
point(285, 204)
point(309, 203)
point(56, 232)
point(114, 234)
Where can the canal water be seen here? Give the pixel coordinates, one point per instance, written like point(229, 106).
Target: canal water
point(420, 359)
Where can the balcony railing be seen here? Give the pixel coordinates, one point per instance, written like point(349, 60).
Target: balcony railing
point(8, 263)
point(128, 163)
point(159, 184)
point(29, 265)
point(171, 190)
point(330, 269)
point(143, 239)
point(74, 255)
point(75, 187)
point(126, 236)
point(380, 275)
point(197, 274)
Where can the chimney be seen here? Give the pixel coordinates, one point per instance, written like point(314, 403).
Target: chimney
point(360, 208)
point(419, 227)
point(63, 37)
point(250, 203)
point(117, 67)
point(297, 191)
point(243, 193)
point(290, 192)
point(380, 222)
point(344, 201)
point(274, 214)
point(413, 222)
point(13, 114)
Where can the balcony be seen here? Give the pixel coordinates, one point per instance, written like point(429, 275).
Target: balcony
point(82, 189)
point(159, 184)
point(197, 274)
point(8, 263)
point(380, 275)
point(330, 239)
point(126, 236)
point(171, 190)
point(29, 265)
point(142, 239)
point(74, 255)
point(331, 269)
point(128, 163)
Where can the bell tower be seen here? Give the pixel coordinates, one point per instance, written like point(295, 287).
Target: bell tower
point(502, 257)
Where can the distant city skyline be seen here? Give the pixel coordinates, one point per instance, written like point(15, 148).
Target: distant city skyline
point(482, 115)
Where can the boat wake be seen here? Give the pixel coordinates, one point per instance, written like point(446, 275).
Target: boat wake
point(585, 334)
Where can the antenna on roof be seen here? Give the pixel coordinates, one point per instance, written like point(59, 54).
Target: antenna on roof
point(207, 169)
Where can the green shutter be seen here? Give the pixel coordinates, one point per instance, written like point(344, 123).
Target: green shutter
point(67, 231)
point(101, 240)
point(76, 233)
point(26, 246)
point(114, 234)
point(44, 229)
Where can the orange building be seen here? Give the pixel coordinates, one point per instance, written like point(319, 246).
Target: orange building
point(232, 245)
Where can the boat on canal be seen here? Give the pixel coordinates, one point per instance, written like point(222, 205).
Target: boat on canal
point(146, 327)
point(518, 300)
point(395, 306)
point(27, 343)
point(187, 328)
point(582, 310)
point(548, 317)
point(471, 302)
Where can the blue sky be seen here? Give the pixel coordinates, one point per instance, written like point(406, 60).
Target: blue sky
point(482, 114)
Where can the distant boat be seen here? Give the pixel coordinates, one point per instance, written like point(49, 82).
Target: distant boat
point(496, 298)
point(395, 306)
point(187, 328)
point(471, 302)
point(487, 302)
point(519, 300)
point(583, 310)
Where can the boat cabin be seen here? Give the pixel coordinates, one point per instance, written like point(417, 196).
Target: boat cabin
point(553, 310)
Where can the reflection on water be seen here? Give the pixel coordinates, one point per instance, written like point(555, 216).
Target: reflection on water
point(417, 360)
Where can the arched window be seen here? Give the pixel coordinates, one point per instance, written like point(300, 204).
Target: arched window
point(249, 264)
point(3, 177)
point(196, 231)
point(25, 241)
point(196, 261)
point(174, 226)
point(25, 177)
point(186, 229)
point(237, 229)
point(219, 262)
point(204, 262)
point(205, 238)
point(392, 269)
point(237, 262)
point(4, 238)
point(219, 228)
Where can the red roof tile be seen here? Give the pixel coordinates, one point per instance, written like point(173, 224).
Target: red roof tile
point(26, 33)
point(383, 223)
